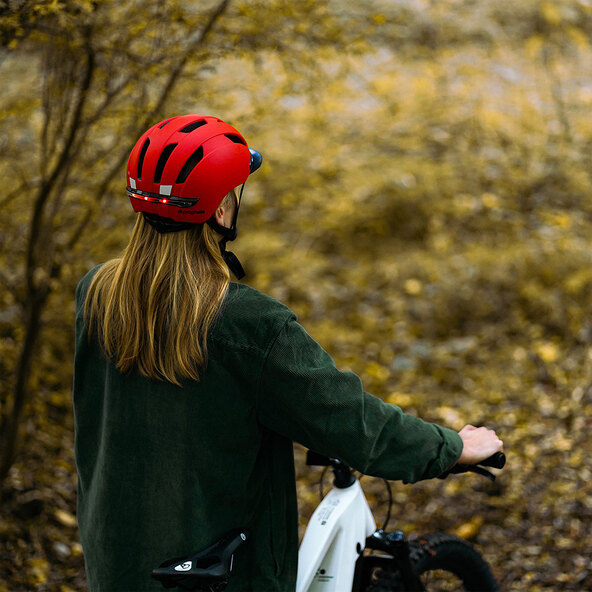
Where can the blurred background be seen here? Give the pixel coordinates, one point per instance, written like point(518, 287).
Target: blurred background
point(424, 206)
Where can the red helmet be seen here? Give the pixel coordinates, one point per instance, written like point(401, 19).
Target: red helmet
point(182, 168)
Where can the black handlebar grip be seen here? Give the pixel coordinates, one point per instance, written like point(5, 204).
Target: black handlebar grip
point(497, 461)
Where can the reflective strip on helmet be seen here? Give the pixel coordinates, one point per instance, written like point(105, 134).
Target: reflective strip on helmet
point(180, 202)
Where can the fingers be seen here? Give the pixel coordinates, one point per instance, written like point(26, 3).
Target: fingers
point(478, 444)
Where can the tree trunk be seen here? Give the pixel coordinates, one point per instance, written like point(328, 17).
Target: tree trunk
point(9, 436)
point(39, 270)
point(40, 258)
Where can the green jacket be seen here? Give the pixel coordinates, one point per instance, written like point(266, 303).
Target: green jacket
point(164, 471)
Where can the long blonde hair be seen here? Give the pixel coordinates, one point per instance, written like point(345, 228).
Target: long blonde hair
point(152, 308)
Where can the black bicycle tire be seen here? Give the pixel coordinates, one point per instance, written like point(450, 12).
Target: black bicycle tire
point(441, 551)
point(450, 553)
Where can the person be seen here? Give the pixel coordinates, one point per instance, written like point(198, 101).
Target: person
point(189, 389)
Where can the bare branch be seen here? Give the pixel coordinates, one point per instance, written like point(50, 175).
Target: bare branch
point(58, 169)
point(173, 77)
point(178, 69)
point(22, 188)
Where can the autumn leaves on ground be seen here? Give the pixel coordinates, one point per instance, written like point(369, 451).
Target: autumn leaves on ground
point(424, 206)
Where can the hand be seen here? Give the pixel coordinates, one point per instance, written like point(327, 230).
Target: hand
point(478, 444)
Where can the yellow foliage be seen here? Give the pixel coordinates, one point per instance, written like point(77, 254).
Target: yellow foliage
point(413, 286)
point(549, 352)
point(494, 120)
point(490, 200)
point(450, 416)
point(385, 84)
point(376, 371)
point(402, 400)
point(562, 443)
point(579, 38)
point(578, 281)
point(534, 45)
point(551, 12)
point(424, 87)
point(65, 518)
point(469, 530)
point(557, 218)
point(38, 571)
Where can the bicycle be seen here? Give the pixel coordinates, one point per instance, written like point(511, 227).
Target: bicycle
point(342, 549)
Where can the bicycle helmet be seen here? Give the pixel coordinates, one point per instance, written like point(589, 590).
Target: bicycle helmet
point(181, 169)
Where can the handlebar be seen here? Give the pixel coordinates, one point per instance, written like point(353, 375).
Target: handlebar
point(495, 461)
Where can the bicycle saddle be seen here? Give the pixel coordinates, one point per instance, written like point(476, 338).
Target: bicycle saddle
point(207, 570)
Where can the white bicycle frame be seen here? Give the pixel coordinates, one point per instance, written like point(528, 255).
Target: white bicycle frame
point(335, 537)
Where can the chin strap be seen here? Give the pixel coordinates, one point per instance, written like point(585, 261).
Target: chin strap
point(232, 261)
point(229, 234)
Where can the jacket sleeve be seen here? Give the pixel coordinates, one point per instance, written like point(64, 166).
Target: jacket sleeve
point(303, 396)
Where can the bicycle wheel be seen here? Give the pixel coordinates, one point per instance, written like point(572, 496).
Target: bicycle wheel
point(444, 563)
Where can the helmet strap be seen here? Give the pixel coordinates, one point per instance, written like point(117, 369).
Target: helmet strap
point(232, 261)
point(229, 234)
point(165, 225)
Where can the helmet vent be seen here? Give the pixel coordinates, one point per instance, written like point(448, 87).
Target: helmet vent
point(141, 157)
point(192, 126)
point(190, 165)
point(236, 139)
point(162, 161)
point(165, 122)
